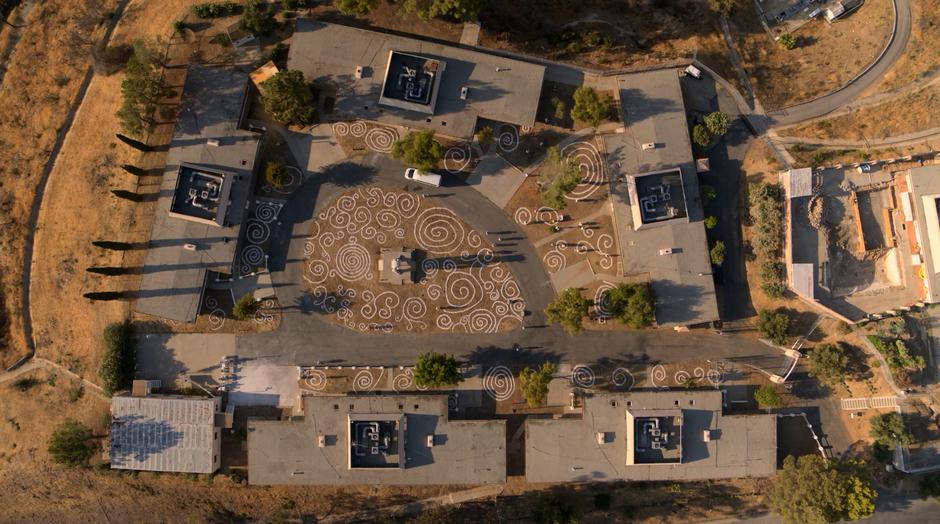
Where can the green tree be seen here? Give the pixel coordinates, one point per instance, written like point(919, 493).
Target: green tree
point(435, 369)
point(485, 137)
point(568, 309)
point(632, 304)
point(119, 362)
point(215, 9)
point(828, 363)
point(711, 222)
point(560, 109)
point(419, 149)
point(552, 509)
point(142, 89)
point(717, 123)
point(767, 397)
point(288, 98)
point(246, 307)
point(774, 325)
point(810, 490)
point(888, 430)
point(930, 486)
point(717, 253)
point(460, 10)
point(723, 8)
point(534, 383)
point(788, 41)
point(69, 444)
point(558, 176)
point(356, 7)
point(708, 192)
point(257, 19)
point(700, 135)
point(276, 174)
point(590, 106)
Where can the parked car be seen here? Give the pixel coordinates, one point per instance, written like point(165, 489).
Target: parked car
point(424, 177)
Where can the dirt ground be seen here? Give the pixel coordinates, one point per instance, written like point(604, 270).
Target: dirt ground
point(815, 156)
point(906, 114)
point(826, 57)
point(922, 55)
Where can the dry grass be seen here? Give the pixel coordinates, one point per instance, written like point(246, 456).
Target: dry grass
point(922, 55)
point(907, 114)
point(812, 156)
point(828, 56)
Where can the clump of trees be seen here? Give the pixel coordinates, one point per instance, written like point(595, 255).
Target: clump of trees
point(70, 444)
point(356, 7)
point(117, 366)
point(810, 489)
point(590, 106)
point(257, 19)
point(534, 383)
point(774, 325)
point(767, 397)
point(788, 41)
point(288, 97)
point(568, 310)
point(767, 222)
point(828, 363)
point(888, 431)
point(142, 88)
point(246, 307)
point(897, 354)
point(435, 370)
point(419, 149)
point(714, 125)
point(215, 9)
point(632, 304)
point(717, 253)
point(558, 177)
point(462, 10)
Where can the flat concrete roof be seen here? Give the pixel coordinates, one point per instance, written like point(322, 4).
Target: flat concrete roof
point(288, 451)
point(500, 89)
point(211, 108)
point(682, 282)
point(924, 186)
point(569, 450)
point(165, 433)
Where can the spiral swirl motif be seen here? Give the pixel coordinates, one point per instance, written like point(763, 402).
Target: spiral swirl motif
point(523, 216)
point(588, 159)
point(456, 159)
point(365, 381)
point(314, 379)
point(657, 376)
point(353, 262)
point(267, 211)
point(622, 378)
point(462, 290)
point(482, 321)
point(583, 377)
point(381, 139)
point(508, 138)
point(252, 255)
point(358, 129)
point(257, 232)
point(714, 376)
point(403, 381)
point(499, 383)
point(555, 261)
point(211, 302)
point(438, 230)
point(216, 319)
point(682, 377)
point(698, 372)
point(340, 129)
point(602, 300)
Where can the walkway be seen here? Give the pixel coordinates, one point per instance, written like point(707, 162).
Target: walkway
point(899, 140)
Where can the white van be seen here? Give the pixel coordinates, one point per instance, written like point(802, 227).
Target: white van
point(693, 71)
point(417, 175)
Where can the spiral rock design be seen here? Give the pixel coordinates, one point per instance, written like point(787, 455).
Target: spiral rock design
point(622, 378)
point(499, 383)
point(583, 377)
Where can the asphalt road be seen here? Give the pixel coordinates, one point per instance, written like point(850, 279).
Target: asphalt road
point(832, 101)
point(306, 337)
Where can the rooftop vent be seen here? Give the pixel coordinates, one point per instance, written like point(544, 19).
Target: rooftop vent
point(649, 145)
point(430, 440)
point(358, 72)
point(189, 247)
point(601, 437)
point(707, 435)
point(321, 441)
point(464, 91)
point(214, 142)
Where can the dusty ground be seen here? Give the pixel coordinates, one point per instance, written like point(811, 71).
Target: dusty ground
point(827, 56)
point(907, 114)
point(922, 55)
point(806, 156)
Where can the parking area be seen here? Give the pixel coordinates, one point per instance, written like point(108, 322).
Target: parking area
point(786, 16)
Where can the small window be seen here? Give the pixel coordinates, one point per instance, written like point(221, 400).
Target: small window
point(443, 123)
point(677, 402)
point(691, 402)
point(335, 407)
point(351, 407)
point(629, 403)
point(401, 407)
point(613, 403)
point(365, 107)
point(427, 119)
point(215, 436)
point(416, 406)
point(215, 458)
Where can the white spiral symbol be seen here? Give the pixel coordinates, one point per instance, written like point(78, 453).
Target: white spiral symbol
point(364, 381)
point(621, 377)
point(602, 300)
point(257, 232)
point(403, 381)
point(437, 229)
point(358, 129)
point(381, 139)
point(353, 262)
point(657, 376)
point(498, 383)
point(583, 377)
point(252, 255)
point(216, 319)
point(267, 212)
point(555, 261)
point(588, 159)
point(682, 377)
point(482, 321)
point(456, 159)
point(698, 372)
point(508, 138)
point(314, 379)
point(714, 376)
point(523, 216)
point(340, 129)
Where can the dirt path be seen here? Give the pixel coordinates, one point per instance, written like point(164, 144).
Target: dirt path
point(41, 363)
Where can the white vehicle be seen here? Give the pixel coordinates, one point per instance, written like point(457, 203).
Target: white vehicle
point(693, 71)
point(422, 176)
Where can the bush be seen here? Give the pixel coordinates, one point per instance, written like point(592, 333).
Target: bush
point(142, 89)
point(560, 109)
point(828, 363)
point(557, 178)
point(221, 39)
point(888, 430)
point(534, 384)
point(774, 325)
point(356, 7)
point(288, 97)
point(215, 9)
point(24, 384)
point(69, 444)
point(602, 501)
point(767, 397)
point(717, 253)
point(118, 365)
point(788, 41)
point(552, 509)
point(711, 222)
point(897, 354)
point(276, 174)
point(774, 289)
point(76, 394)
point(179, 26)
point(700, 135)
point(568, 309)
point(722, 7)
point(435, 369)
point(590, 106)
point(717, 123)
point(461, 10)
point(246, 307)
point(419, 149)
point(257, 19)
point(108, 59)
point(930, 486)
point(485, 137)
point(810, 489)
point(632, 304)
point(293, 4)
point(708, 192)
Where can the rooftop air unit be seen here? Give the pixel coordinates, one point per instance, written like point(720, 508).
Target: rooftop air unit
point(358, 72)
point(430, 440)
point(214, 142)
point(189, 247)
point(321, 441)
point(649, 145)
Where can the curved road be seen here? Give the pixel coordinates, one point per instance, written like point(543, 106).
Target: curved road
point(306, 337)
point(842, 96)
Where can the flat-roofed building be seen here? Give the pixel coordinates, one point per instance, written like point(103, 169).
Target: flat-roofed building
point(920, 205)
point(414, 83)
point(661, 435)
point(391, 439)
point(657, 207)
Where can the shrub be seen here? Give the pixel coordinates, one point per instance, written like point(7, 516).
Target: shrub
point(256, 18)
point(356, 7)
point(117, 366)
point(828, 363)
point(632, 304)
point(897, 354)
point(930, 486)
point(24, 384)
point(221, 39)
point(590, 106)
point(774, 289)
point(767, 397)
point(76, 394)
point(888, 430)
point(602, 501)
point(485, 137)
point(722, 7)
point(179, 26)
point(288, 97)
point(534, 383)
point(717, 253)
point(560, 109)
point(774, 325)
point(788, 41)
point(717, 123)
point(69, 444)
point(708, 192)
point(419, 149)
point(142, 89)
point(700, 135)
point(435, 369)
point(558, 177)
point(215, 9)
point(293, 4)
point(246, 307)
point(276, 174)
point(711, 222)
point(461, 10)
point(568, 309)
point(810, 489)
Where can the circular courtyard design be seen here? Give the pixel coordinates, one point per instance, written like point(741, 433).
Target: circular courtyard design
point(459, 284)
